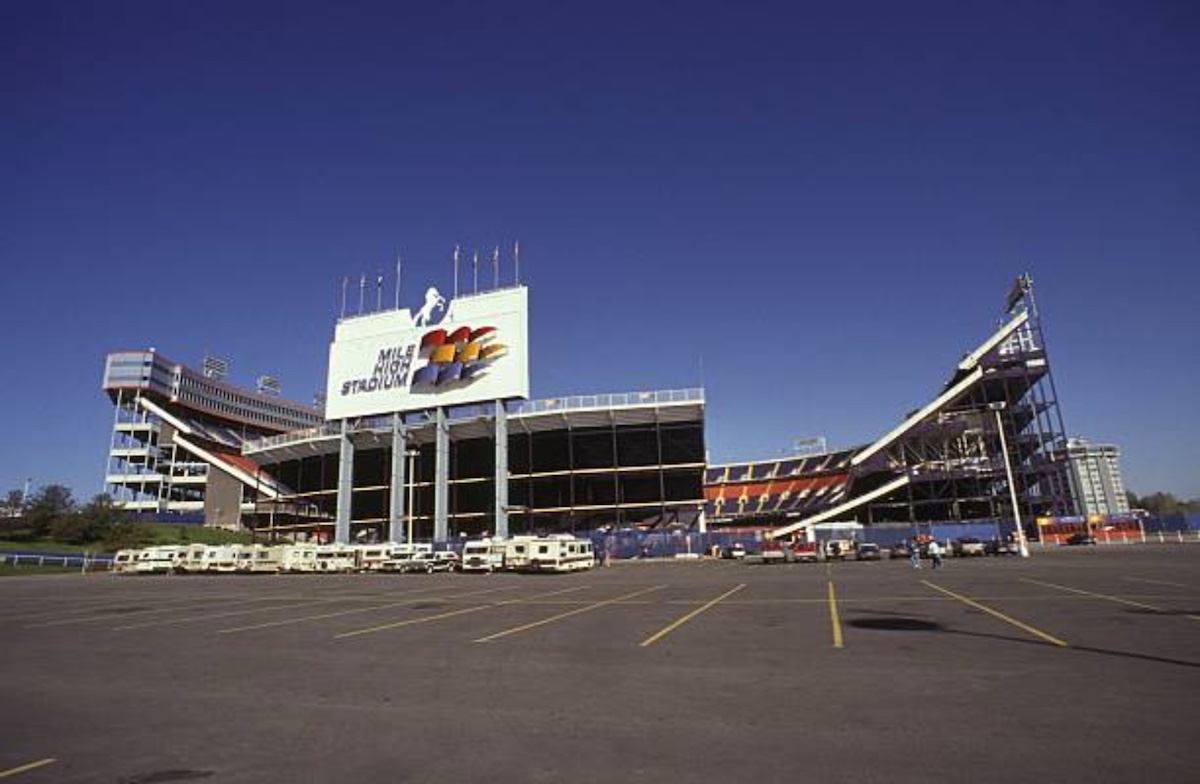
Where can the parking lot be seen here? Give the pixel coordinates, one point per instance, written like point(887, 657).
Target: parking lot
point(1076, 663)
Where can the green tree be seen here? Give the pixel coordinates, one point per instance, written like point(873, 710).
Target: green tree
point(50, 503)
point(127, 535)
point(14, 502)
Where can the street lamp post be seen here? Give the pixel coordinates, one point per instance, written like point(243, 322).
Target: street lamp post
point(411, 454)
point(1022, 546)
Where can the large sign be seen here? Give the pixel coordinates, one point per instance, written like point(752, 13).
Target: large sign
point(469, 350)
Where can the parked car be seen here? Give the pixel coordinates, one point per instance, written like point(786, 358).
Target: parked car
point(900, 550)
point(999, 547)
point(967, 546)
point(1080, 538)
point(425, 561)
point(735, 550)
point(867, 551)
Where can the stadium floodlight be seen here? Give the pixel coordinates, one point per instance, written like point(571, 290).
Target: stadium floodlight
point(1022, 546)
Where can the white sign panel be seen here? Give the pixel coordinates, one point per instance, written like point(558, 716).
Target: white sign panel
point(472, 349)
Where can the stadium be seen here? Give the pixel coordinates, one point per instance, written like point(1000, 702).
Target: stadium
point(427, 432)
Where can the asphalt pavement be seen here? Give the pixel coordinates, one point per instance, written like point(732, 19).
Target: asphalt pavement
point(1077, 664)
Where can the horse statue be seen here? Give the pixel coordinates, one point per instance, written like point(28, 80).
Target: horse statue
point(433, 301)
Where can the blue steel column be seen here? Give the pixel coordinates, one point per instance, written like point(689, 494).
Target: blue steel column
point(501, 527)
point(345, 485)
point(441, 479)
point(396, 530)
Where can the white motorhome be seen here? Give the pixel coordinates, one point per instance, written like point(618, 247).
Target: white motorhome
point(556, 553)
point(193, 560)
point(158, 560)
point(223, 558)
point(372, 556)
point(259, 559)
point(336, 558)
point(298, 558)
point(483, 555)
point(402, 555)
point(124, 560)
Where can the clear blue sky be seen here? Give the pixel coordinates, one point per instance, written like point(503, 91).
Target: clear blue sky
point(826, 202)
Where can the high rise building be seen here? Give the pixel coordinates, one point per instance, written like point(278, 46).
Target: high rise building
point(1094, 471)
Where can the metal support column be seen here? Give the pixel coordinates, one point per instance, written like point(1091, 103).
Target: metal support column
point(501, 526)
point(441, 479)
point(345, 485)
point(396, 508)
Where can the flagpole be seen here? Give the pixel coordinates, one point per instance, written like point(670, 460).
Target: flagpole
point(362, 292)
point(345, 283)
point(475, 272)
point(517, 259)
point(378, 290)
point(397, 281)
point(496, 267)
point(456, 272)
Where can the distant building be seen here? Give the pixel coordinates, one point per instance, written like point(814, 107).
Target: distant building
point(1094, 471)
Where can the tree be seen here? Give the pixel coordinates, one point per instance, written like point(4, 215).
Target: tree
point(45, 508)
point(89, 524)
point(14, 502)
point(127, 535)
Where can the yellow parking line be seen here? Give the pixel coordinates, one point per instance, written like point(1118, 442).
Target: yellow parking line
point(27, 767)
point(997, 614)
point(1106, 597)
point(560, 616)
point(439, 616)
point(680, 622)
point(834, 618)
point(411, 621)
point(356, 610)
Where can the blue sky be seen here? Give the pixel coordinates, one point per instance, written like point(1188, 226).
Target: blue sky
point(824, 202)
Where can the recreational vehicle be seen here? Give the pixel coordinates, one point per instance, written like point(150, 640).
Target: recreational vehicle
point(557, 553)
point(124, 560)
point(298, 558)
point(259, 559)
point(403, 555)
point(483, 555)
point(193, 560)
point(372, 556)
point(223, 558)
point(158, 560)
point(336, 558)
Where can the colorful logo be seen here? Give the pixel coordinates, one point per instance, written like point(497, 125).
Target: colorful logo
point(456, 358)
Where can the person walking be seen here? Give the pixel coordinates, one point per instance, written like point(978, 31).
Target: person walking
point(935, 552)
point(914, 553)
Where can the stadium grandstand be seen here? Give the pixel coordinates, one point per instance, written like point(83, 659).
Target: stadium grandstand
point(175, 454)
point(949, 461)
point(189, 446)
point(573, 465)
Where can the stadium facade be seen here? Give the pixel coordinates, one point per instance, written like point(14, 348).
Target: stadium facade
point(428, 433)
